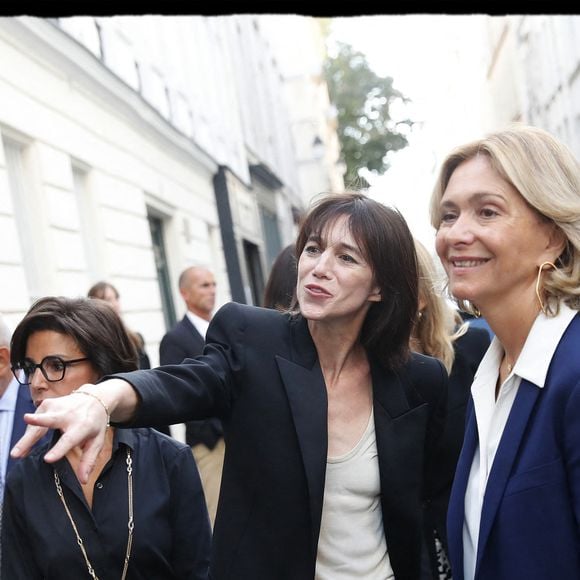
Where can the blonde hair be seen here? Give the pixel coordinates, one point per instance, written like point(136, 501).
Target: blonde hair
point(547, 175)
point(437, 325)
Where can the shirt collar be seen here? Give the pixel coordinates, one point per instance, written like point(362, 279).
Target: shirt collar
point(124, 436)
point(8, 399)
point(534, 360)
point(200, 323)
point(540, 346)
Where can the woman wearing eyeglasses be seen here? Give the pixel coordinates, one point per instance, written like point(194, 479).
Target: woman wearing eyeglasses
point(142, 514)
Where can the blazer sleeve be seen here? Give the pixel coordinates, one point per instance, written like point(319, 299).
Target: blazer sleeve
point(431, 382)
point(199, 388)
point(438, 391)
point(572, 449)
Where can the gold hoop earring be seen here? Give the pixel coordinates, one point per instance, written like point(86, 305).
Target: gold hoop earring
point(538, 279)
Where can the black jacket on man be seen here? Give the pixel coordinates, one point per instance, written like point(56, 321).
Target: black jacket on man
point(181, 342)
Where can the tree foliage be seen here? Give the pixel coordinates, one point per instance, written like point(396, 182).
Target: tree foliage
point(363, 102)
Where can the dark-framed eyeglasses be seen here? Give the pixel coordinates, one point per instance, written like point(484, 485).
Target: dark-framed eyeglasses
point(52, 368)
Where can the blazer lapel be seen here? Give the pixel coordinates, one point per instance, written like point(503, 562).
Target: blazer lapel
point(306, 391)
point(399, 432)
point(456, 510)
point(192, 335)
point(504, 459)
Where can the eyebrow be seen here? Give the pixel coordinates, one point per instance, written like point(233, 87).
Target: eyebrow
point(54, 355)
point(348, 247)
point(340, 245)
point(477, 197)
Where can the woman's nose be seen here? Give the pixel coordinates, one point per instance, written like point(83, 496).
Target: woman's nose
point(322, 265)
point(36, 379)
point(460, 231)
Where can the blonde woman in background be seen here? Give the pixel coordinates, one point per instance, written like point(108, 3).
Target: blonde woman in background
point(440, 331)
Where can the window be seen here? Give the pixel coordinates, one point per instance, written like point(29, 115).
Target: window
point(254, 270)
point(29, 220)
point(156, 225)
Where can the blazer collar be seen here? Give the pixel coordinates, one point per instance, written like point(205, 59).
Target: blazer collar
point(306, 391)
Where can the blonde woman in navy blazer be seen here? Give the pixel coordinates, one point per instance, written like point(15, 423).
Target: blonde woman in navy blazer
point(299, 394)
point(507, 213)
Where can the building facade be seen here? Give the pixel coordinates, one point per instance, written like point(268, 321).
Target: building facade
point(132, 147)
point(533, 74)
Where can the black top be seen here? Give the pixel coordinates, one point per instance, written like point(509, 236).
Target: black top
point(172, 530)
point(469, 350)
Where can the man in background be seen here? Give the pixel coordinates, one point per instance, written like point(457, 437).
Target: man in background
point(15, 400)
point(197, 287)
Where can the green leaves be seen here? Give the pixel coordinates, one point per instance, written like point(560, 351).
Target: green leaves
point(366, 129)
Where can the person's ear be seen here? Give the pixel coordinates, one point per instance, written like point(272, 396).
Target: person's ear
point(556, 243)
point(4, 359)
point(375, 295)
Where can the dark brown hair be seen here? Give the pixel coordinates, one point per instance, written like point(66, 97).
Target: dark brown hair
point(92, 324)
point(387, 244)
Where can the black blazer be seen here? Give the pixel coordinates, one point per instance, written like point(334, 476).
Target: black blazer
point(469, 350)
point(185, 341)
point(261, 374)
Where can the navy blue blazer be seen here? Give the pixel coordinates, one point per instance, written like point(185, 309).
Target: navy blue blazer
point(181, 342)
point(24, 404)
point(260, 373)
point(530, 521)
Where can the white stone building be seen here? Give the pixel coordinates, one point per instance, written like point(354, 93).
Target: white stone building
point(132, 147)
point(533, 74)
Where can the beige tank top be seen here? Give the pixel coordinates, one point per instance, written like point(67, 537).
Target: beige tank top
point(352, 539)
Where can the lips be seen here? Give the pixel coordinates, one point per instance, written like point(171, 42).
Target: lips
point(467, 262)
point(317, 290)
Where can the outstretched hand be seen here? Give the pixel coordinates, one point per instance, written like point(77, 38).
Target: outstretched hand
point(82, 421)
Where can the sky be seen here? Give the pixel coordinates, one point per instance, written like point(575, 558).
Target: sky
point(438, 61)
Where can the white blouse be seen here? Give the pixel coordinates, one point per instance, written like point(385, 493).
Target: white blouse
point(491, 415)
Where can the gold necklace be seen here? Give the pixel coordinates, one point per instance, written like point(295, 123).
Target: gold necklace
point(130, 523)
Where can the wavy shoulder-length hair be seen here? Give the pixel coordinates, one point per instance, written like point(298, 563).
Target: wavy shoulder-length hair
point(438, 324)
point(547, 175)
point(387, 244)
point(93, 324)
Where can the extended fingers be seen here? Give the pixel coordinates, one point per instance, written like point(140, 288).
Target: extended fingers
point(32, 434)
point(91, 446)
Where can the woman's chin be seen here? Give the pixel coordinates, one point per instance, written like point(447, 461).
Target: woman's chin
point(460, 292)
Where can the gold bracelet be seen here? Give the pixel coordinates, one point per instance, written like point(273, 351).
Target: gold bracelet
point(76, 391)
